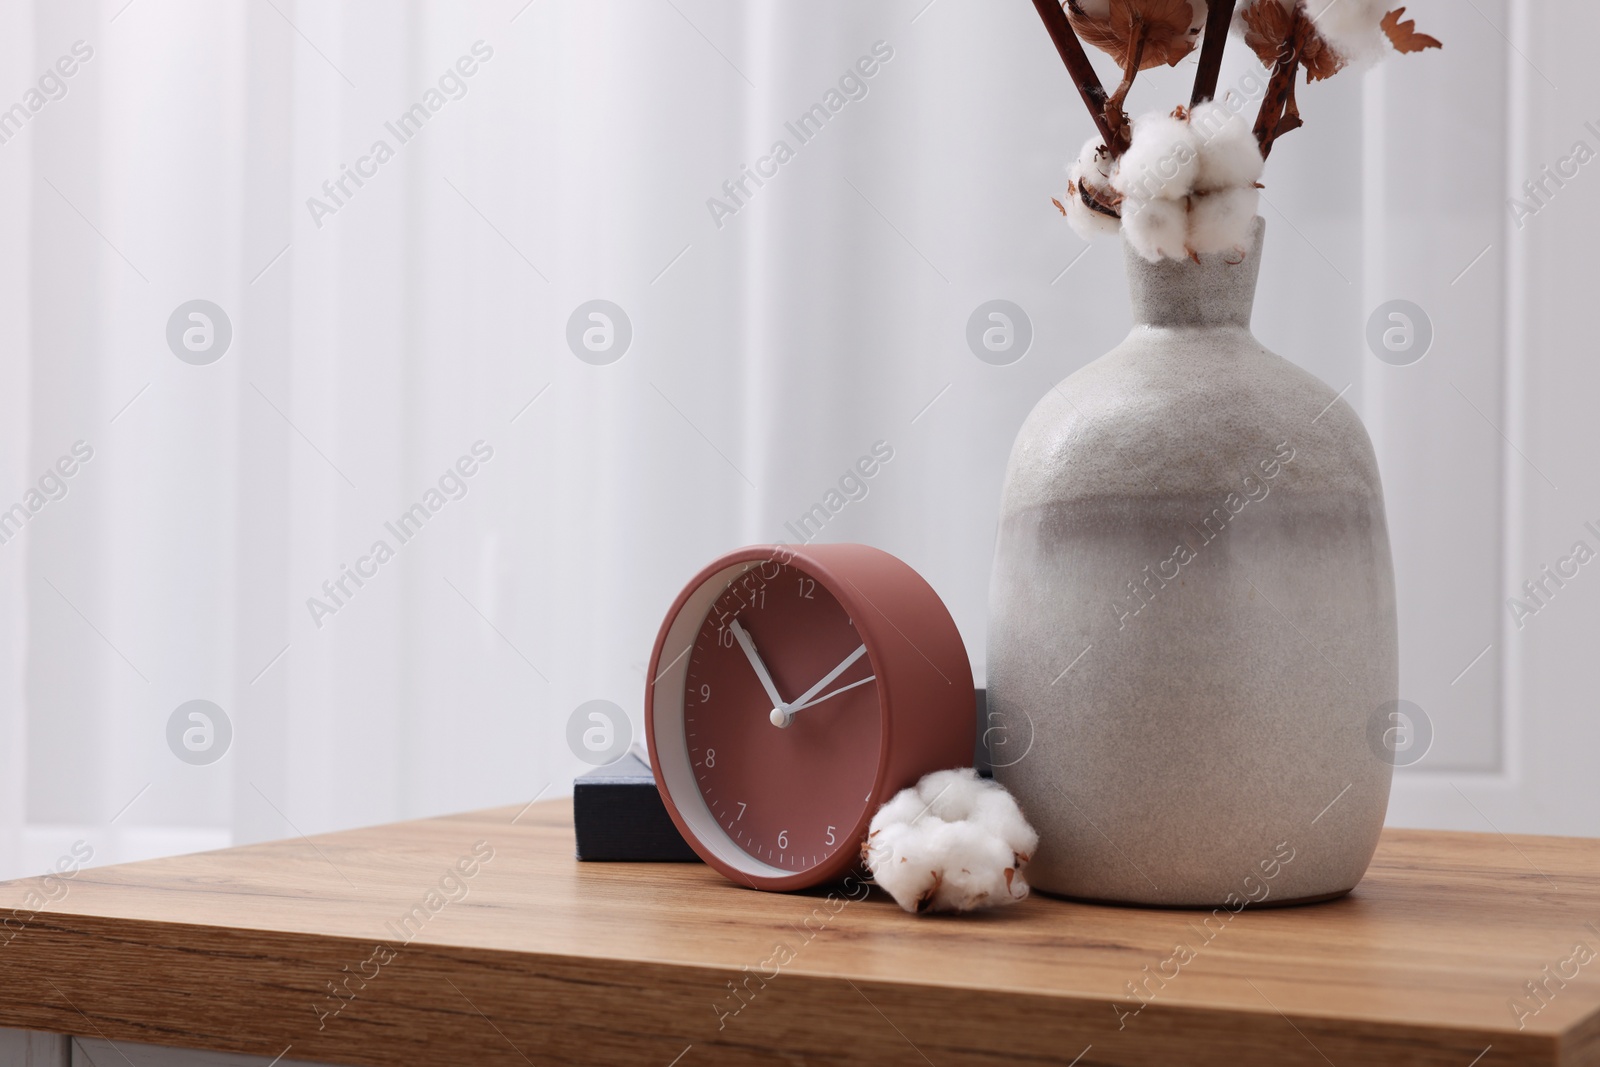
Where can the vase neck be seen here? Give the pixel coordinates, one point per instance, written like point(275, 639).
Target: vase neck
point(1220, 290)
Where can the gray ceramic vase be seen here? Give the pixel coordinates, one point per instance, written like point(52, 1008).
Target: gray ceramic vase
point(1192, 644)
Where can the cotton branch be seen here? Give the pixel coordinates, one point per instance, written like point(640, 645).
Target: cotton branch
point(1132, 63)
point(1279, 114)
point(1219, 17)
point(1078, 65)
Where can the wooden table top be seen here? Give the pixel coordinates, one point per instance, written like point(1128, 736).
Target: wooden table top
point(479, 939)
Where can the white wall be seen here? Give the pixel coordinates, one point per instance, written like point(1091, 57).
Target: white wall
point(768, 352)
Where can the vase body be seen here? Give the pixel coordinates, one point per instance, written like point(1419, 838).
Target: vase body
point(1192, 632)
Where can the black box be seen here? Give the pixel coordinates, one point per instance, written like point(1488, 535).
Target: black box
point(617, 814)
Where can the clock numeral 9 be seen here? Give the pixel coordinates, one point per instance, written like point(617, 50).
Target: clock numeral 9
point(807, 587)
point(711, 758)
point(705, 693)
point(783, 839)
point(830, 836)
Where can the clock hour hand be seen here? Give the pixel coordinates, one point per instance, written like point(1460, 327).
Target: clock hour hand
point(782, 714)
point(742, 635)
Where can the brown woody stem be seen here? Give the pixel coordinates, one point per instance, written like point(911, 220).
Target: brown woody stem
point(1219, 17)
point(1078, 65)
point(1279, 88)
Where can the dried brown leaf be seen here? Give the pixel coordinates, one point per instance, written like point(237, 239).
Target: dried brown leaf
point(1096, 32)
point(1059, 205)
point(1404, 35)
point(1266, 28)
point(1168, 30)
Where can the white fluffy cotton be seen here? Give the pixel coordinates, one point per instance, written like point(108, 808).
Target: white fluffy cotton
point(1353, 27)
point(1187, 186)
point(1230, 156)
point(1162, 162)
point(1093, 166)
point(1157, 229)
point(952, 842)
point(1220, 221)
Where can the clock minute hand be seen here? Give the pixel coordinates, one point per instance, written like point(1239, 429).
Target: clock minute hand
point(782, 713)
point(814, 701)
point(742, 635)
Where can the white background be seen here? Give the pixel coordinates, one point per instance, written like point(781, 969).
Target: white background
point(768, 353)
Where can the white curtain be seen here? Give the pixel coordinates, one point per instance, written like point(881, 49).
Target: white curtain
point(386, 327)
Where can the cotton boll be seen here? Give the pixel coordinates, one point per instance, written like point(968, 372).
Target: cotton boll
point(1230, 157)
point(1221, 221)
point(1093, 166)
point(953, 842)
point(1353, 27)
point(1156, 228)
point(935, 865)
point(1162, 162)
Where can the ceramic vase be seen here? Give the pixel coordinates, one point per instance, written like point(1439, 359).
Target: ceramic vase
point(1192, 634)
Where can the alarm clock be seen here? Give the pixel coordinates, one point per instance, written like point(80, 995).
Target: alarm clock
point(792, 690)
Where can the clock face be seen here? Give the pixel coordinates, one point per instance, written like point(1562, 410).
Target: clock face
point(782, 718)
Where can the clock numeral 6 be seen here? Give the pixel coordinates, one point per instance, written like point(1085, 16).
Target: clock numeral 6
point(807, 587)
point(783, 839)
point(711, 757)
point(830, 836)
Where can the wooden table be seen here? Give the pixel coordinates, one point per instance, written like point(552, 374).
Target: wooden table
point(377, 946)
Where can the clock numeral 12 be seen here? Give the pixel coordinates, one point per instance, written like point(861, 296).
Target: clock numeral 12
point(807, 587)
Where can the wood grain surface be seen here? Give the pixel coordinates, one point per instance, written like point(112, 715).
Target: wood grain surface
point(536, 958)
